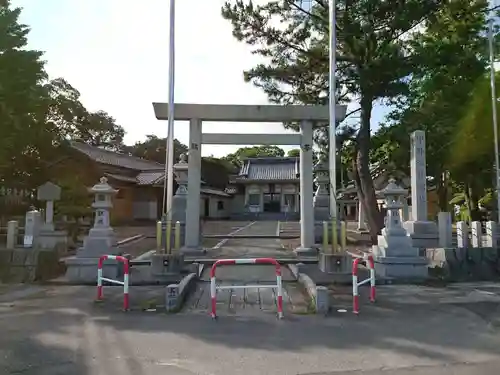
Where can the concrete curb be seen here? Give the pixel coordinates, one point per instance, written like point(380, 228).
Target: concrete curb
point(145, 255)
point(176, 294)
point(310, 287)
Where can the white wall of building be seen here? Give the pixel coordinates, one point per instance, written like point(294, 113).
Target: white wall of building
point(254, 196)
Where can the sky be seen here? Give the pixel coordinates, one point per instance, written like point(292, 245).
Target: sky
point(115, 53)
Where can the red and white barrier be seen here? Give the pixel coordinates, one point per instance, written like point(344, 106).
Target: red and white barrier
point(214, 287)
point(125, 281)
point(355, 284)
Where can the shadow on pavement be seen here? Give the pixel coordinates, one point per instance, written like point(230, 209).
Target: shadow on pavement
point(61, 332)
point(28, 343)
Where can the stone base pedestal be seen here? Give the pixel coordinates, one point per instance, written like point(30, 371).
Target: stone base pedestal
point(403, 268)
point(166, 264)
point(52, 239)
point(193, 251)
point(84, 270)
point(306, 251)
point(423, 234)
point(335, 263)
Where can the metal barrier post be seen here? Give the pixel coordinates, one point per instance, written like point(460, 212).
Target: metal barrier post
point(125, 282)
point(177, 238)
point(356, 284)
point(325, 236)
point(343, 235)
point(221, 262)
point(334, 237)
point(168, 234)
point(158, 237)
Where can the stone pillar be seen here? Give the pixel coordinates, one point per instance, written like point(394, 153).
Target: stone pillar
point(306, 188)
point(462, 235)
point(32, 224)
point(194, 178)
point(361, 217)
point(491, 234)
point(476, 234)
point(423, 233)
point(445, 229)
point(12, 231)
point(394, 255)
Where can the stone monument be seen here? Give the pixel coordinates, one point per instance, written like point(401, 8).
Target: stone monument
point(101, 239)
point(394, 256)
point(49, 237)
point(423, 233)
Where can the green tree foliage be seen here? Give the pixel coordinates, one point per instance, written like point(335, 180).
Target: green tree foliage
point(451, 58)
point(153, 148)
point(295, 153)
point(37, 115)
point(374, 60)
point(22, 98)
point(237, 157)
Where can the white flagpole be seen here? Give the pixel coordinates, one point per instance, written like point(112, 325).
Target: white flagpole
point(168, 185)
point(494, 111)
point(332, 113)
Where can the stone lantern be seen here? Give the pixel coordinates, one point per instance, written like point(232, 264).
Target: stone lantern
point(181, 175)
point(179, 201)
point(394, 196)
point(100, 241)
point(394, 256)
point(321, 199)
point(101, 234)
point(102, 203)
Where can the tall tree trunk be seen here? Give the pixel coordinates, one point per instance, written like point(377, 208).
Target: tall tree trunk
point(471, 200)
point(362, 176)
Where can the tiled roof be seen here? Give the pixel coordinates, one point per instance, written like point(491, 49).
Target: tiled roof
point(114, 158)
point(120, 177)
point(150, 177)
point(271, 168)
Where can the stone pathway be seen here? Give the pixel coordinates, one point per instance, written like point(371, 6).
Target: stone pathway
point(252, 247)
point(245, 302)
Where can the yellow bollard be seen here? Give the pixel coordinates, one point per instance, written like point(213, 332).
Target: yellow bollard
point(168, 234)
point(334, 236)
point(158, 237)
point(325, 236)
point(343, 236)
point(177, 238)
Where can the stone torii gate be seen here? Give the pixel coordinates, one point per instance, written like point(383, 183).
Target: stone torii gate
point(307, 116)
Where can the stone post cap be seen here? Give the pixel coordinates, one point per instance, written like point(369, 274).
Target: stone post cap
point(393, 189)
point(48, 192)
point(103, 187)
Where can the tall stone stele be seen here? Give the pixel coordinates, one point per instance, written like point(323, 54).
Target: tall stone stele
point(423, 233)
point(394, 256)
point(49, 238)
